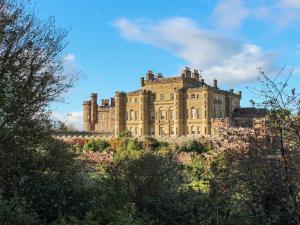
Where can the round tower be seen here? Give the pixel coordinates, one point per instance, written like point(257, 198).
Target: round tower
point(86, 116)
point(93, 110)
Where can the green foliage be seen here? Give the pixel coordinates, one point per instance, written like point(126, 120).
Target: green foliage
point(125, 134)
point(17, 211)
point(195, 146)
point(134, 145)
point(96, 145)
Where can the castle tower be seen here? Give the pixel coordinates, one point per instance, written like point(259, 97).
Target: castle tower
point(119, 113)
point(86, 116)
point(93, 111)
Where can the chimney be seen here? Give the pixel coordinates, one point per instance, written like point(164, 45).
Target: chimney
point(102, 102)
point(195, 75)
point(215, 83)
point(112, 102)
point(159, 75)
point(149, 75)
point(240, 94)
point(231, 91)
point(106, 102)
point(187, 72)
point(142, 81)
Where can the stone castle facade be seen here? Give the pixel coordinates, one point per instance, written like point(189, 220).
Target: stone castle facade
point(164, 106)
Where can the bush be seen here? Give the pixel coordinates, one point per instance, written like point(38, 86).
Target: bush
point(96, 145)
point(134, 145)
point(194, 146)
point(16, 211)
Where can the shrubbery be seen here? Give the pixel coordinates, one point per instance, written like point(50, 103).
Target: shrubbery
point(96, 145)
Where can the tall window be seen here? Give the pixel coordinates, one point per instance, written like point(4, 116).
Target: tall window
point(172, 129)
point(131, 115)
point(193, 130)
point(126, 115)
point(172, 115)
point(193, 96)
point(193, 113)
point(162, 114)
point(161, 130)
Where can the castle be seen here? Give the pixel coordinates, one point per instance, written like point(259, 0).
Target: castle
point(164, 106)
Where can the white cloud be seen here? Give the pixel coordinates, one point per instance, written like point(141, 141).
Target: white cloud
point(74, 119)
point(230, 13)
point(217, 55)
point(70, 66)
point(69, 58)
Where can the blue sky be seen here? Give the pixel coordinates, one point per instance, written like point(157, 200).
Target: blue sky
point(114, 42)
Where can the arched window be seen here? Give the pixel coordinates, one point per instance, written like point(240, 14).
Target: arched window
point(162, 114)
point(193, 113)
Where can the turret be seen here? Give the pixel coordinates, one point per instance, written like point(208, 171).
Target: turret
point(93, 110)
point(86, 116)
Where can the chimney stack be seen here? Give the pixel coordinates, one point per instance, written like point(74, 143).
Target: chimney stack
point(195, 75)
point(186, 73)
point(215, 83)
point(149, 75)
point(112, 102)
point(142, 81)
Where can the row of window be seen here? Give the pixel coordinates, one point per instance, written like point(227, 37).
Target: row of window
point(162, 97)
point(165, 114)
point(191, 130)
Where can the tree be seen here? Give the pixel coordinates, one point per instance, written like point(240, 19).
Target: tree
point(30, 78)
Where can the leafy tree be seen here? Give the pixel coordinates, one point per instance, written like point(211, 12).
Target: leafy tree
point(30, 78)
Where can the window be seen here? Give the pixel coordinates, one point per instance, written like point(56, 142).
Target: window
point(193, 96)
point(162, 97)
point(172, 129)
point(172, 115)
point(198, 128)
point(152, 115)
point(193, 130)
point(205, 114)
point(198, 113)
point(136, 130)
point(187, 113)
point(197, 96)
point(193, 113)
point(152, 130)
point(132, 115)
point(135, 115)
point(132, 100)
point(162, 114)
point(205, 104)
point(162, 130)
point(126, 115)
